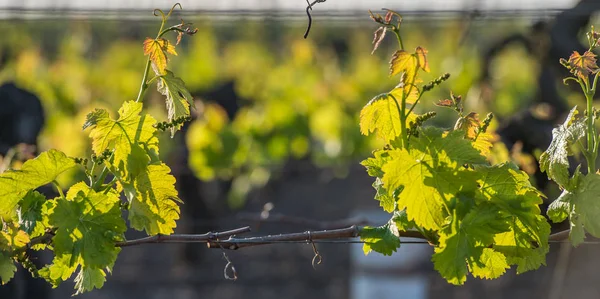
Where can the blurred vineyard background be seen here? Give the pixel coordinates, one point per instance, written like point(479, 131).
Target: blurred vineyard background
point(264, 94)
point(275, 130)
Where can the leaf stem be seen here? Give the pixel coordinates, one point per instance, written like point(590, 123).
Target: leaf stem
point(58, 188)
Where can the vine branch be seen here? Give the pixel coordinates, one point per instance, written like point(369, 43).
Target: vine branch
point(184, 238)
point(213, 239)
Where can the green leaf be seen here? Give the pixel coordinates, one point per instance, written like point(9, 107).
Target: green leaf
point(14, 184)
point(154, 201)
point(526, 242)
point(583, 206)
point(30, 213)
point(179, 98)
point(89, 224)
point(382, 115)
point(431, 174)
point(505, 180)
point(375, 163)
point(88, 279)
point(554, 161)
point(464, 243)
point(491, 264)
point(60, 270)
point(400, 219)
point(560, 209)
point(386, 200)
point(7, 268)
point(379, 239)
point(121, 135)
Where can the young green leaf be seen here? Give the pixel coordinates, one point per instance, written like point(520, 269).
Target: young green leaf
point(30, 213)
point(582, 204)
point(431, 174)
point(154, 201)
point(379, 239)
point(386, 199)
point(408, 64)
point(382, 114)
point(179, 98)
point(88, 279)
point(554, 161)
point(89, 224)
point(374, 164)
point(463, 244)
point(526, 242)
point(122, 134)
point(14, 184)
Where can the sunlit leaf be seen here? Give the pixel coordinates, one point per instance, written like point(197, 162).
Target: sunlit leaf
point(131, 128)
point(14, 184)
point(179, 98)
point(583, 65)
point(554, 161)
point(154, 205)
point(157, 50)
point(431, 174)
point(379, 239)
point(382, 115)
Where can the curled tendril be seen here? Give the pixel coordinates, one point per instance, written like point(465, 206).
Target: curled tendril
point(173, 8)
point(157, 12)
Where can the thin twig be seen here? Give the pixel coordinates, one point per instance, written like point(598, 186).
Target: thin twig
point(308, 9)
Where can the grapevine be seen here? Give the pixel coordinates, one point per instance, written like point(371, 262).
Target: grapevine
point(435, 183)
point(481, 218)
point(580, 191)
point(84, 227)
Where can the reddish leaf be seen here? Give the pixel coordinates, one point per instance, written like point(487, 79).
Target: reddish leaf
point(583, 65)
point(379, 36)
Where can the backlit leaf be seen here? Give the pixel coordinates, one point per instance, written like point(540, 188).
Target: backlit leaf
point(431, 174)
point(382, 115)
point(132, 127)
point(464, 245)
point(379, 239)
point(179, 98)
point(583, 65)
point(89, 224)
point(157, 50)
point(554, 161)
point(154, 205)
point(14, 184)
point(404, 62)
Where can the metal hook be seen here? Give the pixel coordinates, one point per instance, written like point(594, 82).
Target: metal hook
point(317, 259)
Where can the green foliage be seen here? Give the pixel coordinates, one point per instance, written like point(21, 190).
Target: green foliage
point(481, 218)
point(380, 239)
point(554, 160)
point(579, 199)
point(83, 227)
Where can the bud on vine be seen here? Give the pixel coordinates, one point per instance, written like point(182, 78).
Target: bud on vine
point(486, 122)
point(429, 86)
